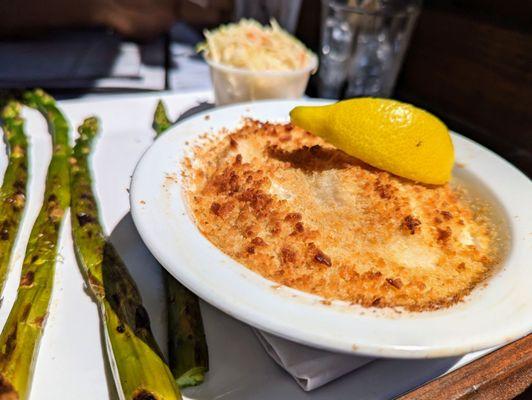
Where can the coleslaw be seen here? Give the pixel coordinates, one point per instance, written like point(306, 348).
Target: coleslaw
point(252, 46)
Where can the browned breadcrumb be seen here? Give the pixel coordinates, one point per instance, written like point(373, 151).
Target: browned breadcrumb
point(410, 224)
point(304, 214)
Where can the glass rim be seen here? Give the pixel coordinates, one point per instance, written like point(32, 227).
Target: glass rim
point(412, 8)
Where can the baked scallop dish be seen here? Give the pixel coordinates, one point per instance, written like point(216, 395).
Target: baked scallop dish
point(302, 213)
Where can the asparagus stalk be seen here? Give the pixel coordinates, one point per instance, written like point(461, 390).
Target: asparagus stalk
point(138, 367)
point(23, 330)
point(187, 347)
point(13, 191)
point(161, 122)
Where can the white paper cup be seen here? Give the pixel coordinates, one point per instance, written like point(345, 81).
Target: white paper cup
point(236, 85)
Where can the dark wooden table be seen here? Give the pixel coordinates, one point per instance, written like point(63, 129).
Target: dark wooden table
point(500, 375)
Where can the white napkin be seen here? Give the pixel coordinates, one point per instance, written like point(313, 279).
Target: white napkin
point(311, 368)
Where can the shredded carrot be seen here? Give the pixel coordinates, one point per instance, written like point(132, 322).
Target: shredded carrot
point(249, 45)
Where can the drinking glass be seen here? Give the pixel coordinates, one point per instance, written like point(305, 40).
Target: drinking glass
point(285, 12)
point(363, 43)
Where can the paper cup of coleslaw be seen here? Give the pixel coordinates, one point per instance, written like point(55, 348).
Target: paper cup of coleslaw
point(250, 62)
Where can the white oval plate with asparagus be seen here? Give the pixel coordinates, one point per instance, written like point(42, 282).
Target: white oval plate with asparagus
point(72, 360)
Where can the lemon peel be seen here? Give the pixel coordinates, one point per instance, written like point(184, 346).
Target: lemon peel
point(387, 134)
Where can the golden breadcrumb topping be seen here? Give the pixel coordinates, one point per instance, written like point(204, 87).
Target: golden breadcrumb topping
point(304, 214)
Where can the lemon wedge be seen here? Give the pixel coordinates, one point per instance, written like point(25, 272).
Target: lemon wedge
point(387, 134)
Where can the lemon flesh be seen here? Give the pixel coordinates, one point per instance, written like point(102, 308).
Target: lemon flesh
point(386, 134)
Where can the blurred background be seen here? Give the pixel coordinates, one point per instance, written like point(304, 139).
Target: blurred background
point(467, 61)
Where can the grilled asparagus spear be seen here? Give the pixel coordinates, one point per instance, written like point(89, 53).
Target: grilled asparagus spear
point(137, 363)
point(25, 325)
point(13, 191)
point(161, 122)
point(187, 347)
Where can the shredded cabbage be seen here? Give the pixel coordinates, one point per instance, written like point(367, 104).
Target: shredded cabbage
point(249, 45)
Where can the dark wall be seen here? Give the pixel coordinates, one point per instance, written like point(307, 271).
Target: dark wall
point(470, 63)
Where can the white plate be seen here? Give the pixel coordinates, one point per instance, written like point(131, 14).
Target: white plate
point(492, 315)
